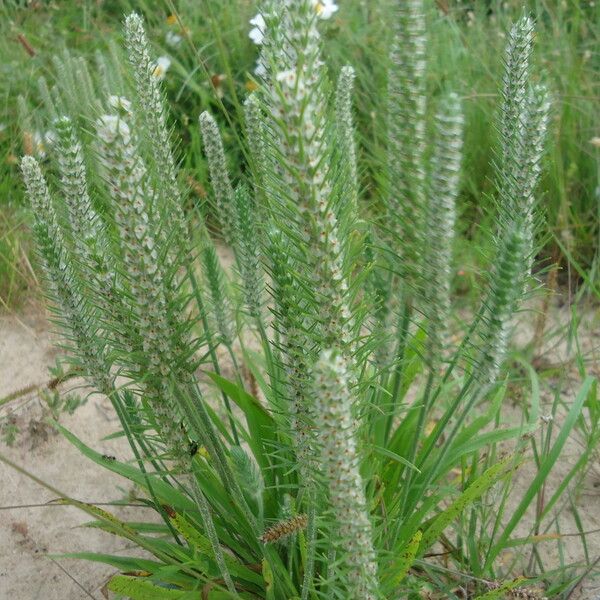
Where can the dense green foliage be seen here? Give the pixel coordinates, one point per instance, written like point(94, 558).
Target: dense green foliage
point(356, 439)
point(466, 41)
point(359, 436)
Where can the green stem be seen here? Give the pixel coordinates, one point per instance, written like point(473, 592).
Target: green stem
point(417, 437)
point(399, 369)
point(211, 534)
point(211, 349)
point(311, 547)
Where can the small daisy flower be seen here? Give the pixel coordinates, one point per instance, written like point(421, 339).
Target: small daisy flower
point(173, 39)
point(162, 66)
point(171, 20)
point(257, 33)
point(325, 8)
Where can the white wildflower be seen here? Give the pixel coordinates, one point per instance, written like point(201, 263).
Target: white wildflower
point(325, 8)
point(257, 33)
point(162, 66)
point(173, 39)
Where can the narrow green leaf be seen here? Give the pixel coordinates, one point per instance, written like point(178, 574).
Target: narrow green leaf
point(199, 542)
point(142, 589)
point(268, 579)
point(483, 483)
point(389, 454)
point(405, 560)
point(543, 472)
point(260, 423)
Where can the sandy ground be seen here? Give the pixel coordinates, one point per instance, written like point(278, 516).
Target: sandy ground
point(28, 535)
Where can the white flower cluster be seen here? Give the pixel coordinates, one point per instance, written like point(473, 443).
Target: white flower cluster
point(173, 39)
point(219, 176)
point(126, 175)
point(335, 423)
point(324, 9)
point(60, 276)
point(440, 221)
point(120, 103)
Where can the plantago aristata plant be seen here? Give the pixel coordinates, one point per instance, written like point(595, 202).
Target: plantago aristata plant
point(316, 434)
point(407, 106)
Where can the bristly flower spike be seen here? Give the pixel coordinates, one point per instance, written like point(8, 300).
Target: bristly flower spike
point(86, 232)
point(247, 251)
point(215, 280)
point(255, 135)
point(536, 134)
point(219, 175)
point(73, 179)
point(514, 92)
point(153, 112)
point(406, 123)
point(345, 125)
point(339, 453)
point(284, 529)
point(504, 292)
point(523, 130)
point(440, 223)
point(301, 190)
point(51, 247)
point(125, 173)
point(296, 355)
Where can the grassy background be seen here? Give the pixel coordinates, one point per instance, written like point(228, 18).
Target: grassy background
point(210, 71)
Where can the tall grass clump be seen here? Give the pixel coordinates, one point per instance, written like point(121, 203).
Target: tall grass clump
point(305, 424)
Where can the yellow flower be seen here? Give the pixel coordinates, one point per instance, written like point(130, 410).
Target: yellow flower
point(171, 20)
point(251, 86)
